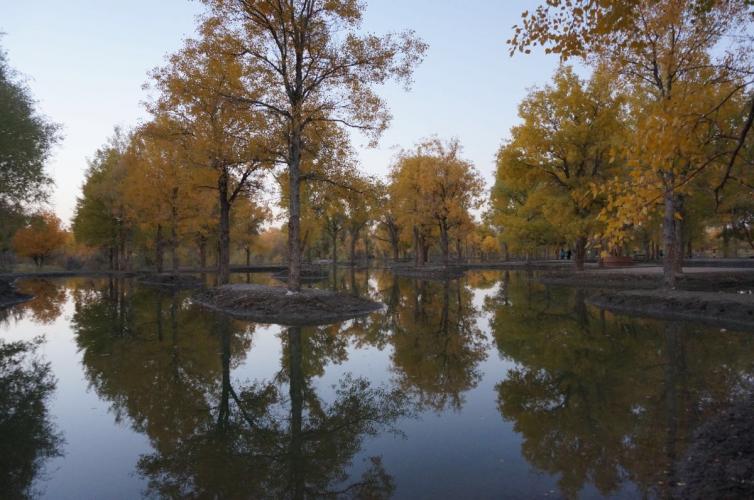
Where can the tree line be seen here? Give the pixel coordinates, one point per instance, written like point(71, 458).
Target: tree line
point(653, 150)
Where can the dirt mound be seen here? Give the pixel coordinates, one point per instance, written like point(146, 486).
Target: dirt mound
point(171, 280)
point(269, 304)
point(734, 310)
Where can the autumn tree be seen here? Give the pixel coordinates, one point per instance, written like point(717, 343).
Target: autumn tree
point(246, 225)
point(387, 218)
point(669, 55)
point(315, 67)
point(437, 189)
point(161, 189)
point(214, 133)
point(42, 237)
point(565, 147)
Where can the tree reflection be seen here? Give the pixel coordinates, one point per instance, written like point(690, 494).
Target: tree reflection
point(605, 400)
point(268, 443)
point(49, 297)
point(27, 436)
point(167, 368)
point(437, 343)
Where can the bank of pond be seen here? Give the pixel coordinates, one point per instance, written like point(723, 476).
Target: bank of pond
point(486, 386)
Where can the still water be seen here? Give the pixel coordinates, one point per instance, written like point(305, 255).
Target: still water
point(491, 386)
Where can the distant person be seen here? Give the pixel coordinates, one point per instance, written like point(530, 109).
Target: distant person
point(562, 254)
point(568, 254)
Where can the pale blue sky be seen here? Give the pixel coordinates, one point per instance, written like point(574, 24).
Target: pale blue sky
point(86, 61)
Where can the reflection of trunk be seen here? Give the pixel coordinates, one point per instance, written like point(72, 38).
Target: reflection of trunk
point(223, 257)
point(580, 309)
point(580, 257)
point(174, 334)
point(675, 377)
point(158, 316)
point(297, 409)
point(224, 410)
point(444, 318)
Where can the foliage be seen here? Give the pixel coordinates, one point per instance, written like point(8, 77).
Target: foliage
point(312, 67)
point(42, 237)
point(434, 191)
point(565, 148)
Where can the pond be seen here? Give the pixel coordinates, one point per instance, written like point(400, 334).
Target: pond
point(490, 386)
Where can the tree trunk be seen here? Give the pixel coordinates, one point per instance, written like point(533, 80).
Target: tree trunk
point(354, 239)
point(459, 251)
point(394, 242)
point(335, 248)
point(294, 212)
point(445, 244)
point(417, 247)
point(580, 253)
point(248, 257)
point(678, 241)
point(174, 230)
point(223, 257)
point(203, 253)
point(669, 237)
point(158, 249)
point(174, 251)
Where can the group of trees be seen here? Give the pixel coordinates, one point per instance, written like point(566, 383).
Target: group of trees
point(267, 92)
point(260, 103)
point(655, 146)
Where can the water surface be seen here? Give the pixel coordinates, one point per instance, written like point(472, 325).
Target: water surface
point(491, 386)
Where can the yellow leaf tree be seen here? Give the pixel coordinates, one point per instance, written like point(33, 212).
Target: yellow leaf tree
point(565, 146)
point(40, 239)
point(668, 54)
point(315, 67)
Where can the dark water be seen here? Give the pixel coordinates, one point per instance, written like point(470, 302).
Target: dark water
point(491, 386)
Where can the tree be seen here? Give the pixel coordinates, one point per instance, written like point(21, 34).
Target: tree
point(437, 189)
point(246, 225)
point(214, 133)
point(666, 53)
point(101, 218)
point(315, 68)
point(160, 189)
point(388, 218)
point(26, 141)
point(564, 148)
point(41, 238)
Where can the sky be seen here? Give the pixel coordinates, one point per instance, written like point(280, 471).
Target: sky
point(86, 61)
